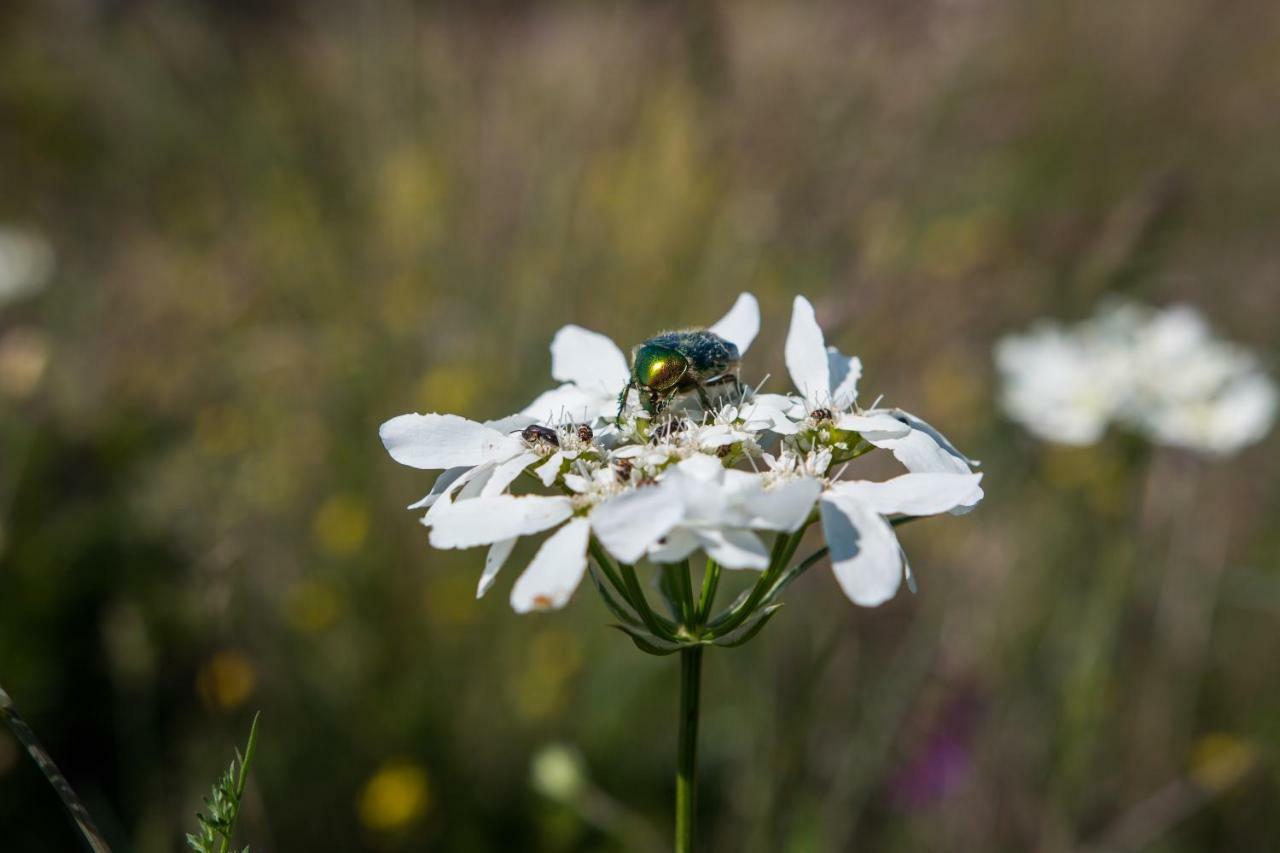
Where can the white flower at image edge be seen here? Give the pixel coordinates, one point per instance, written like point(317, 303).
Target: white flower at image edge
point(865, 555)
point(1157, 371)
point(594, 370)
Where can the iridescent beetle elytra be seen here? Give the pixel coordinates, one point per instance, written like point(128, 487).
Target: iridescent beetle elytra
point(676, 362)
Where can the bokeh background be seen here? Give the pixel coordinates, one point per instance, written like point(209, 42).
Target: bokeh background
point(279, 223)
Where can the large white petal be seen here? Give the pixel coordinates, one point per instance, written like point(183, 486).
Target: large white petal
point(511, 423)
point(923, 449)
point(564, 404)
point(879, 425)
point(589, 359)
point(734, 549)
point(444, 441)
point(675, 546)
point(783, 507)
point(915, 494)
point(741, 325)
point(498, 553)
point(483, 521)
point(845, 371)
point(864, 551)
point(629, 524)
point(806, 355)
point(556, 570)
point(505, 474)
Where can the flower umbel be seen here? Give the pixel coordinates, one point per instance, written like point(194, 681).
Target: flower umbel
point(672, 456)
point(711, 473)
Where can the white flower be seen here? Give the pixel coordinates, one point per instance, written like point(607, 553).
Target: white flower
point(1159, 372)
point(594, 370)
point(660, 492)
point(1063, 387)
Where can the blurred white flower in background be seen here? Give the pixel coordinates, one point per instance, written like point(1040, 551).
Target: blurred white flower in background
point(26, 263)
point(1157, 371)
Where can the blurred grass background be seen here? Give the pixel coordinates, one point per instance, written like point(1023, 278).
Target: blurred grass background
point(279, 223)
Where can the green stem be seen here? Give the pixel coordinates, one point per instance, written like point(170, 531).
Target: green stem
point(689, 607)
point(784, 548)
point(637, 598)
point(606, 566)
point(710, 582)
point(89, 833)
point(687, 750)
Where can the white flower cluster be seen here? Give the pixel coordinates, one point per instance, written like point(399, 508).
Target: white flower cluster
point(1158, 372)
point(662, 487)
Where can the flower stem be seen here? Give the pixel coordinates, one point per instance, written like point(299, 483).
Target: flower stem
point(687, 749)
point(710, 582)
point(89, 833)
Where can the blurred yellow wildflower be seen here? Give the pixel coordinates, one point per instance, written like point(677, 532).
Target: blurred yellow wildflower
point(312, 607)
point(1220, 760)
point(226, 680)
point(24, 355)
point(340, 525)
point(395, 796)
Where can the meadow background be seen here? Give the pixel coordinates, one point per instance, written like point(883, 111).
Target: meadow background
point(279, 223)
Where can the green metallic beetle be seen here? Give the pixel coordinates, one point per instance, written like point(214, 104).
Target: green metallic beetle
point(676, 362)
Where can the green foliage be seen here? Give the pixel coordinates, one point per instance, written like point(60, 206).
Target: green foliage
point(223, 804)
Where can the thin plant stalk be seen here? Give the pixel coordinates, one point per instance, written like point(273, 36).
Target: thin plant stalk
point(687, 750)
point(79, 815)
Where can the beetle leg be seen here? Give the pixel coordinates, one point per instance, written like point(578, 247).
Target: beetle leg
point(622, 402)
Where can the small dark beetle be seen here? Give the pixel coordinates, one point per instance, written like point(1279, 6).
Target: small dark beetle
point(534, 434)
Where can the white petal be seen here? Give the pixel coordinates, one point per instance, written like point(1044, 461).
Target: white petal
point(865, 554)
point(806, 355)
point(483, 521)
point(511, 423)
point(734, 549)
point(556, 570)
point(588, 359)
point(915, 494)
point(478, 478)
point(442, 482)
point(741, 325)
point(444, 441)
point(783, 507)
point(773, 418)
point(879, 425)
point(629, 524)
point(845, 372)
point(675, 546)
point(505, 474)
point(549, 470)
point(454, 490)
point(923, 449)
point(565, 404)
point(498, 553)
